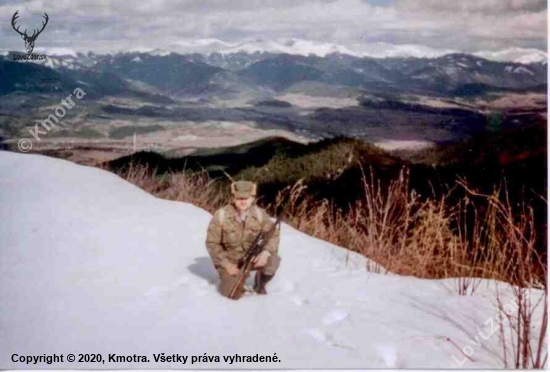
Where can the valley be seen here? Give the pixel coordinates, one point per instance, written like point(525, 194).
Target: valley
point(175, 104)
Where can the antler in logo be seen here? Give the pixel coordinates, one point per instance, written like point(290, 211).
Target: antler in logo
point(29, 40)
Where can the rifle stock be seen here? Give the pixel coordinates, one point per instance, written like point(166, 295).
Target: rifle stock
point(243, 274)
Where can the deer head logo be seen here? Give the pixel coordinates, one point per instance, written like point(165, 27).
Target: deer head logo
point(29, 40)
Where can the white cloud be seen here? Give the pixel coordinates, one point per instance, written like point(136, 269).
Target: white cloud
point(470, 6)
point(431, 26)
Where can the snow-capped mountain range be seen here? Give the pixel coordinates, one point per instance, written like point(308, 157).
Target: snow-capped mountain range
point(260, 66)
point(309, 47)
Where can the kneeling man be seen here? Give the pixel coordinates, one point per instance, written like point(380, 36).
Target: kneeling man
point(231, 232)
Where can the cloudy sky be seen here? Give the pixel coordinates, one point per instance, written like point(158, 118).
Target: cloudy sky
point(419, 26)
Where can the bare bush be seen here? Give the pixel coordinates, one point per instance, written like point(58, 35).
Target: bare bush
point(524, 338)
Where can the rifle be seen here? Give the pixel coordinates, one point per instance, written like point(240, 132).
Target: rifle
point(245, 263)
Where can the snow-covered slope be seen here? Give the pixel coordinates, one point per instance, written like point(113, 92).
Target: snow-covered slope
point(92, 264)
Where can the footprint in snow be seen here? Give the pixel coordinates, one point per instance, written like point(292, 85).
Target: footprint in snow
point(200, 290)
point(182, 280)
point(159, 291)
point(388, 353)
point(284, 286)
point(335, 316)
point(321, 337)
point(297, 300)
point(153, 291)
point(315, 334)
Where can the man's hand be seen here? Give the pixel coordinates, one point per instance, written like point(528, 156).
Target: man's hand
point(232, 269)
point(261, 259)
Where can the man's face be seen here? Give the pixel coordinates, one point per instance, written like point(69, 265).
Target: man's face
point(243, 204)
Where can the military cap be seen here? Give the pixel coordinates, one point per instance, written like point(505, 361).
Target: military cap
point(243, 189)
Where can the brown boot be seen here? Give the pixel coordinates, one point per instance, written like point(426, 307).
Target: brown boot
point(260, 280)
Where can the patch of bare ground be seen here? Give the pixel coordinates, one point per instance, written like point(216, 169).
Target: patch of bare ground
point(214, 134)
point(177, 141)
point(528, 101)
point(305, 101)
point(439, 102)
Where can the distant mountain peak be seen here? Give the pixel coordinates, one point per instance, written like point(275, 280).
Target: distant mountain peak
point(517, 55)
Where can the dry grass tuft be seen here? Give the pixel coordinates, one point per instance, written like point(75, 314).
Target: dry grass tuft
point(478, 236)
